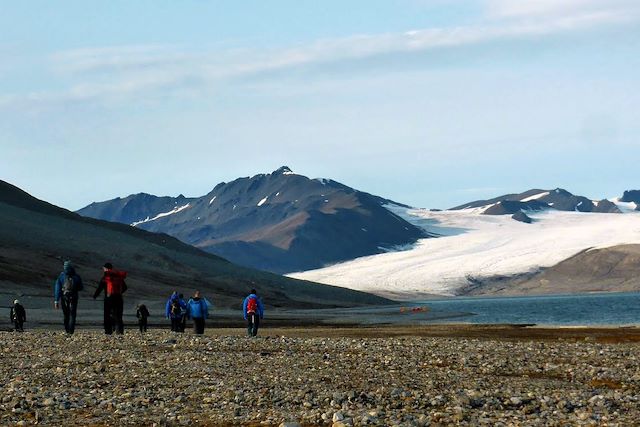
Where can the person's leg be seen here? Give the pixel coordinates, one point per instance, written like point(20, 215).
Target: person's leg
point(65, 312)
point(256, 324)
point(108, 328)
point(249, 324)
point(118, 307)
point(73, 310)
point(141, 325)
point(198, 326)
point(145, 324)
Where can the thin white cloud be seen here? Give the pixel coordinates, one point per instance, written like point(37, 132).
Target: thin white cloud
point(554, 8)
point(120, 72)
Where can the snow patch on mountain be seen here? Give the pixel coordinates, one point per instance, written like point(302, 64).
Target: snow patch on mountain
point(535, 197)
point(625, 207)
point(263, 201)
point(161, 215)
point(475, 245)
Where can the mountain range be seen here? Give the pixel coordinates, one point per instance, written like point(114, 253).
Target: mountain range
point(279, 222)
point(36, 237)
point(283, 221)
point(536, 200)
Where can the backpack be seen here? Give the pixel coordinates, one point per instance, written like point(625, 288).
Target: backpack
point(176, 309)
point(252, 305)
point(115, 283)
point(69, 285)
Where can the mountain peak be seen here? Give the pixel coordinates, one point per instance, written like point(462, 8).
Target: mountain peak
point(284, 170)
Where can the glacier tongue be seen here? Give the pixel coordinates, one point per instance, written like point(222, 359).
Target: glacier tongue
point(476, 245)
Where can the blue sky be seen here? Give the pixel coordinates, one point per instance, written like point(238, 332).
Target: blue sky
point(430, 103)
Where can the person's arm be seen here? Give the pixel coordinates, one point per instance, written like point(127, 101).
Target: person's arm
point(99, 289)
point(206, 308)
point(57, 290)
point(244, 308)
point(24, 315)
point(167, 309)
point(260, 308)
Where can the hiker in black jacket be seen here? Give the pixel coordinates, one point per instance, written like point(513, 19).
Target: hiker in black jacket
point(18, 316)
point(142, 314)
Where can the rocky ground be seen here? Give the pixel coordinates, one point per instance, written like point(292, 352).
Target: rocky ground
point(311, 377)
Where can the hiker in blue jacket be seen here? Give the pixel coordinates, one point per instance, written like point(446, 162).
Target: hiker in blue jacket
point(198, 311)
point(65, 293)
point(175, 310)
point(253, 311)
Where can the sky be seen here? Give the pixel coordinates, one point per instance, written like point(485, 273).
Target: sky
point(432, 103)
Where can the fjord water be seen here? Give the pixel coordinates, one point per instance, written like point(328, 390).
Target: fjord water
point(580, 309)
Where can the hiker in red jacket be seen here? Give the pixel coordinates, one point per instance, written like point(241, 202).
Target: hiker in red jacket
point(114, 286)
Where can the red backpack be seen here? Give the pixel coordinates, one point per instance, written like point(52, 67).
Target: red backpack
point(115, 282)
point(252, 305)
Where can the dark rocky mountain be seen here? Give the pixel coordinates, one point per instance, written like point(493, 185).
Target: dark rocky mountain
point(613, 269)
point(534, 200)
point(632, 196)
point(279, 222)
point(136, 207)
point(522, 217)
point(35, 238)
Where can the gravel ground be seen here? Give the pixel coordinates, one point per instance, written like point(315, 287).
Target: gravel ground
point(223, 378)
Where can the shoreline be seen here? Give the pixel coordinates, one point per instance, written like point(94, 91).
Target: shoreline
point(498, 332)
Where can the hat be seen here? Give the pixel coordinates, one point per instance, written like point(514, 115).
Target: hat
point(67, 264)
point(108, 265)
point(16, 302)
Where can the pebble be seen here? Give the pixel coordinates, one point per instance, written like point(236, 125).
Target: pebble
point(408, 381)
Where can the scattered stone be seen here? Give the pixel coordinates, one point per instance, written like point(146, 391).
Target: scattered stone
point(90, 379)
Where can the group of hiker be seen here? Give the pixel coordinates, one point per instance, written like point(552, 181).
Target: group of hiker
point(178, 311)
point(69, 284)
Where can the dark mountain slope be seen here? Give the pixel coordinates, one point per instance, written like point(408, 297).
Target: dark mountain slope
point(136, 207)
point(35, 237)
point(632, 196)
point(281, 222)
point(616, 268)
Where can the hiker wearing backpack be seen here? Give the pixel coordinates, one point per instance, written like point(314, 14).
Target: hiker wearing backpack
point(18, 316)
point(253, 311)
point(198, 311)
point(113, 284)
point(175, 311)
point(183, 319)
point(142, 313)
point(65, 294)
